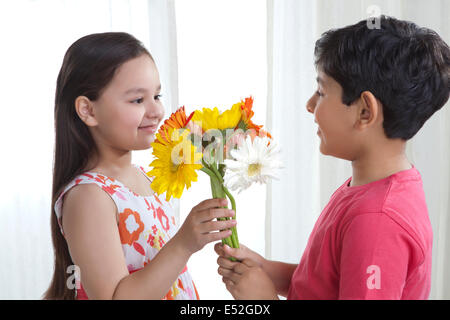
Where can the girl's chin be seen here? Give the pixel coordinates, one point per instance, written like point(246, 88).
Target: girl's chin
point(144, 145)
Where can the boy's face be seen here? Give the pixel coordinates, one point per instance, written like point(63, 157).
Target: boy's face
point(336, 120)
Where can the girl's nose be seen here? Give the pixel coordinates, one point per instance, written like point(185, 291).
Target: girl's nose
point(155, 110)
point(311, 104)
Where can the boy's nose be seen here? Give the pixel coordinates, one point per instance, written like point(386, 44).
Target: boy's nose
point(311, 104)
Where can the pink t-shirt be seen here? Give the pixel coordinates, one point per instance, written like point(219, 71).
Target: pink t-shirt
point(370, 242)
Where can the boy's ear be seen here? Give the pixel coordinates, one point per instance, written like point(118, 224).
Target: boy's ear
point(370, 110)
point(85, 111)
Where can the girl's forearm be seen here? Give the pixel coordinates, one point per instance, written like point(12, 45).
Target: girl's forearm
point(155, 279)
point(280, 273)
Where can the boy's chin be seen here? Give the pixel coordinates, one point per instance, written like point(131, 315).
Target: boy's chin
point(325, 150)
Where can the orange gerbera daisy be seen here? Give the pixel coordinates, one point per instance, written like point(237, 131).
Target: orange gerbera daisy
point(247, 114)
point(177, 120)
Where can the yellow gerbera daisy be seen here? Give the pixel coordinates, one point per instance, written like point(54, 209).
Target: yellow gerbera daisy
point(212, 119)
point(176, 163)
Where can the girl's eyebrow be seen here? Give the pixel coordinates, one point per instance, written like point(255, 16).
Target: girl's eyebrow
point(137, 90)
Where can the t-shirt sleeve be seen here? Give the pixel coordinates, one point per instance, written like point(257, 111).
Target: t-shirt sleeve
point(375, 256)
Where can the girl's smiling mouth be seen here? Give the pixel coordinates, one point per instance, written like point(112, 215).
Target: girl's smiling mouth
point(149, 129)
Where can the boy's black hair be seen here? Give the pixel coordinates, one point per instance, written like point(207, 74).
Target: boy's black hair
point(406, 67)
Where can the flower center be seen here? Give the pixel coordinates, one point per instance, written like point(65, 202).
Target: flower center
point(254, 169)
point(174, 168)
point(178, 161)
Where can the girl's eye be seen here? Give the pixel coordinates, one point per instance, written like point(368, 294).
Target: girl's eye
point(138, 101)
point(158, 97)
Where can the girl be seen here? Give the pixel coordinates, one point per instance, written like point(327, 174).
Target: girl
point(107, 225)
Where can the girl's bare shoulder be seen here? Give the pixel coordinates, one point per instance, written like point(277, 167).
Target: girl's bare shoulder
point(87, 201)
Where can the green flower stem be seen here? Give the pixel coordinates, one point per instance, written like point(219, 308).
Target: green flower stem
point(207, 171)
point(234, 235)
point(217, 192)
point(220, 191)
point(217, 173)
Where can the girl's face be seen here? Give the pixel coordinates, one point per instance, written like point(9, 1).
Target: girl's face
point(129, 110)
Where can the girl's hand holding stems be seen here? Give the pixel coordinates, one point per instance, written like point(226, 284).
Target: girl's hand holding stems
point(199, 227)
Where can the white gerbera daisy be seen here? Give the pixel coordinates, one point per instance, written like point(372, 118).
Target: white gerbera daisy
point(254, 161)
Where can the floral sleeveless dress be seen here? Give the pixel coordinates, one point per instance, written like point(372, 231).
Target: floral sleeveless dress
point(145, 225)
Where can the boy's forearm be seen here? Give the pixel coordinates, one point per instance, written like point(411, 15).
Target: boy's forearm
point(280, 273)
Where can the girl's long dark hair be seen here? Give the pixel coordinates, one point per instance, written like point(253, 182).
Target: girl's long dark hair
point(88, 66)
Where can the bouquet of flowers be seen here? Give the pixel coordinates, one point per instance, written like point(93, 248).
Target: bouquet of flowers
point(227, 146)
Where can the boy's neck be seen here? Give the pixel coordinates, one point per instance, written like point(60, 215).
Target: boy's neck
point(379, 164)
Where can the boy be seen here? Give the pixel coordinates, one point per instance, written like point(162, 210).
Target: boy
point(376, 89)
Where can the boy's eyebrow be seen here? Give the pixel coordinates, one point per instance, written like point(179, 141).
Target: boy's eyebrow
point(133, 90)
point(319, 80)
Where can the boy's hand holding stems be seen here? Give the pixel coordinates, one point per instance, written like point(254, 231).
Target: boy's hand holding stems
point(252, 277)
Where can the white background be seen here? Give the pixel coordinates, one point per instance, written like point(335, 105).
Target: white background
point(209, 53)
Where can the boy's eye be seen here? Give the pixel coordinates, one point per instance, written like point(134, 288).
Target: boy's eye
point(320, 94)
point(138, 101)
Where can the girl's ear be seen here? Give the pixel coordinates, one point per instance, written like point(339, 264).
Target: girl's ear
point(85, 111)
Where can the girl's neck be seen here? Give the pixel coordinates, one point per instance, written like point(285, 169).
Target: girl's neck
point(110, 160)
